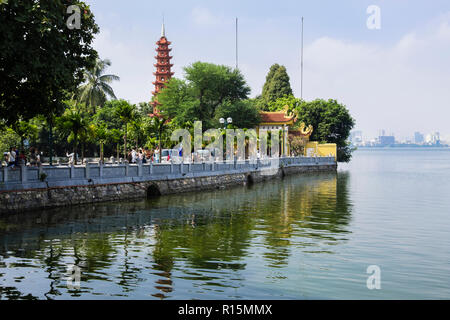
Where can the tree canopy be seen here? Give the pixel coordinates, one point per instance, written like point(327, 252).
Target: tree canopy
point(277, 84)
point(332, 123)
point(96, 89)
point(41, 59)
point(206, 87)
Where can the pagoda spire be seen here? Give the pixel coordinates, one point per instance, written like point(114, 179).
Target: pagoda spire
point(163, 66)
point(163, 29)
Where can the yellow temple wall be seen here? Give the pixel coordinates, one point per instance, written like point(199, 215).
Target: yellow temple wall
point(313, 148)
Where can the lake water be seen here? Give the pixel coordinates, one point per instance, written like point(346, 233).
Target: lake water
point(304, 237)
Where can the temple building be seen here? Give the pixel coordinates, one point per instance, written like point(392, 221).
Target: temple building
point(280, 120)
point(163, 67)
point(285, 122)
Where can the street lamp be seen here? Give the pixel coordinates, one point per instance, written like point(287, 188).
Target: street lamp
point(226, 122)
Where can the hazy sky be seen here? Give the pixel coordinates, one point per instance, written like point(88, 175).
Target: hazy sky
point(395, 78)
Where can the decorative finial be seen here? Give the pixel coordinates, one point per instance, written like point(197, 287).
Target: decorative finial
point(163, 30)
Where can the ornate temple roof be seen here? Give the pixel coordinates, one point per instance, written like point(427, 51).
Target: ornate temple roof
point(277, 117)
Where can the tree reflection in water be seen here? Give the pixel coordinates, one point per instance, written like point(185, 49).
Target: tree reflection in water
point(204, 238)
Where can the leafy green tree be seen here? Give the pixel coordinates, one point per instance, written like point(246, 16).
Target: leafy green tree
point(8, 139)
point(157, 127)
point(26, 131)
point(115, 136)
point(97, 87)
point(244, 113)
point(279, 104)
point(41, 59)
point(206, 87)
point(102, 136)
point(144, 108)
point(136, 130)
point(126, 112)
point(107, 115)
point(178, 101)
point(332, 123)
point(269, 77)
point(277, 84)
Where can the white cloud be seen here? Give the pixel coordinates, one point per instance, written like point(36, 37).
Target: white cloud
point(402, 88)
point(204, 17)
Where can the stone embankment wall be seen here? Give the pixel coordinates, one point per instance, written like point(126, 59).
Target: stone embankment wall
point(65, 194)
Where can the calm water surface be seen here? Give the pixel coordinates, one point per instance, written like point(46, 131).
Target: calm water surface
point(304, 237)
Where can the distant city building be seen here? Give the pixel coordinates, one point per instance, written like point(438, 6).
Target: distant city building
point(386, 140)
point(418, 138)
point(433, 138)
point(356, 137)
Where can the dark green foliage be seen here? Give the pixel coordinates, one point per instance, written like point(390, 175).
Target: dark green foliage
point(206, 88)
point(277, 84)
point(332, 123)
point(244, 113)
point(41, 59)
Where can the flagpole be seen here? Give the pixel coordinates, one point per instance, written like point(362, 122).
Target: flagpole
point(301, 67)
point(236, 42)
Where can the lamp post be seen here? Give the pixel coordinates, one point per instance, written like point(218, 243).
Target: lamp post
point(226, 122)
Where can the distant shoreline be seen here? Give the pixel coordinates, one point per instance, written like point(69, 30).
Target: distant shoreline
point(405, 146)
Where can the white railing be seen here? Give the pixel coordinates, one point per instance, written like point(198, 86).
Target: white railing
point(24, 177)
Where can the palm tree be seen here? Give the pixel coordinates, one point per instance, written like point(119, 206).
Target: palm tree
point(158, 125)
point(102, 135)
point(74, 123)
point(96, 89)
point(126, 113)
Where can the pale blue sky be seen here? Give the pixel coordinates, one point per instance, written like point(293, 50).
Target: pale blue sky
point(395, 78)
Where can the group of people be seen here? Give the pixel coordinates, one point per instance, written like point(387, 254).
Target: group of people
point(143, 155)
point(14, 158)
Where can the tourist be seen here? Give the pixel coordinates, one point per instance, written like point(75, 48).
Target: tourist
point(156, 155)
point(32, 156)
point(37, 157)
point(133, 156)
point(22, 159)
point(141, 156)
point(12, 157)
point(5, 159)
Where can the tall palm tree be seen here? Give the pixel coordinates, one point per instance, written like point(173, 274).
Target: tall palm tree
point(126, 113)
point(96, 89)
point(159, 125)
point(75, 124)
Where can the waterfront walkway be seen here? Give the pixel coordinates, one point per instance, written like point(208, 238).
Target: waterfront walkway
point(24, 178)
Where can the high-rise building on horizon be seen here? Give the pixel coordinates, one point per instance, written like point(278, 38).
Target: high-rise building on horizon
point(356, 137)
point(433, 138)
point(418, 138)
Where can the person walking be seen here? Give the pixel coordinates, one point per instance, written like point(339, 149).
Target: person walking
point(156, 155)
point(12, 158)
point(133, 156)
point(5, 159)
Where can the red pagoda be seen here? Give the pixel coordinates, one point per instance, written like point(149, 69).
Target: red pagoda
point(163, 66)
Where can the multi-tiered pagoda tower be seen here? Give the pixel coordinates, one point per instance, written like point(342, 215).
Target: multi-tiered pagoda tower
point(163, 67)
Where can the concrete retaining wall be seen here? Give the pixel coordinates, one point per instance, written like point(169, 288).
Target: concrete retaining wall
point(76, 185)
